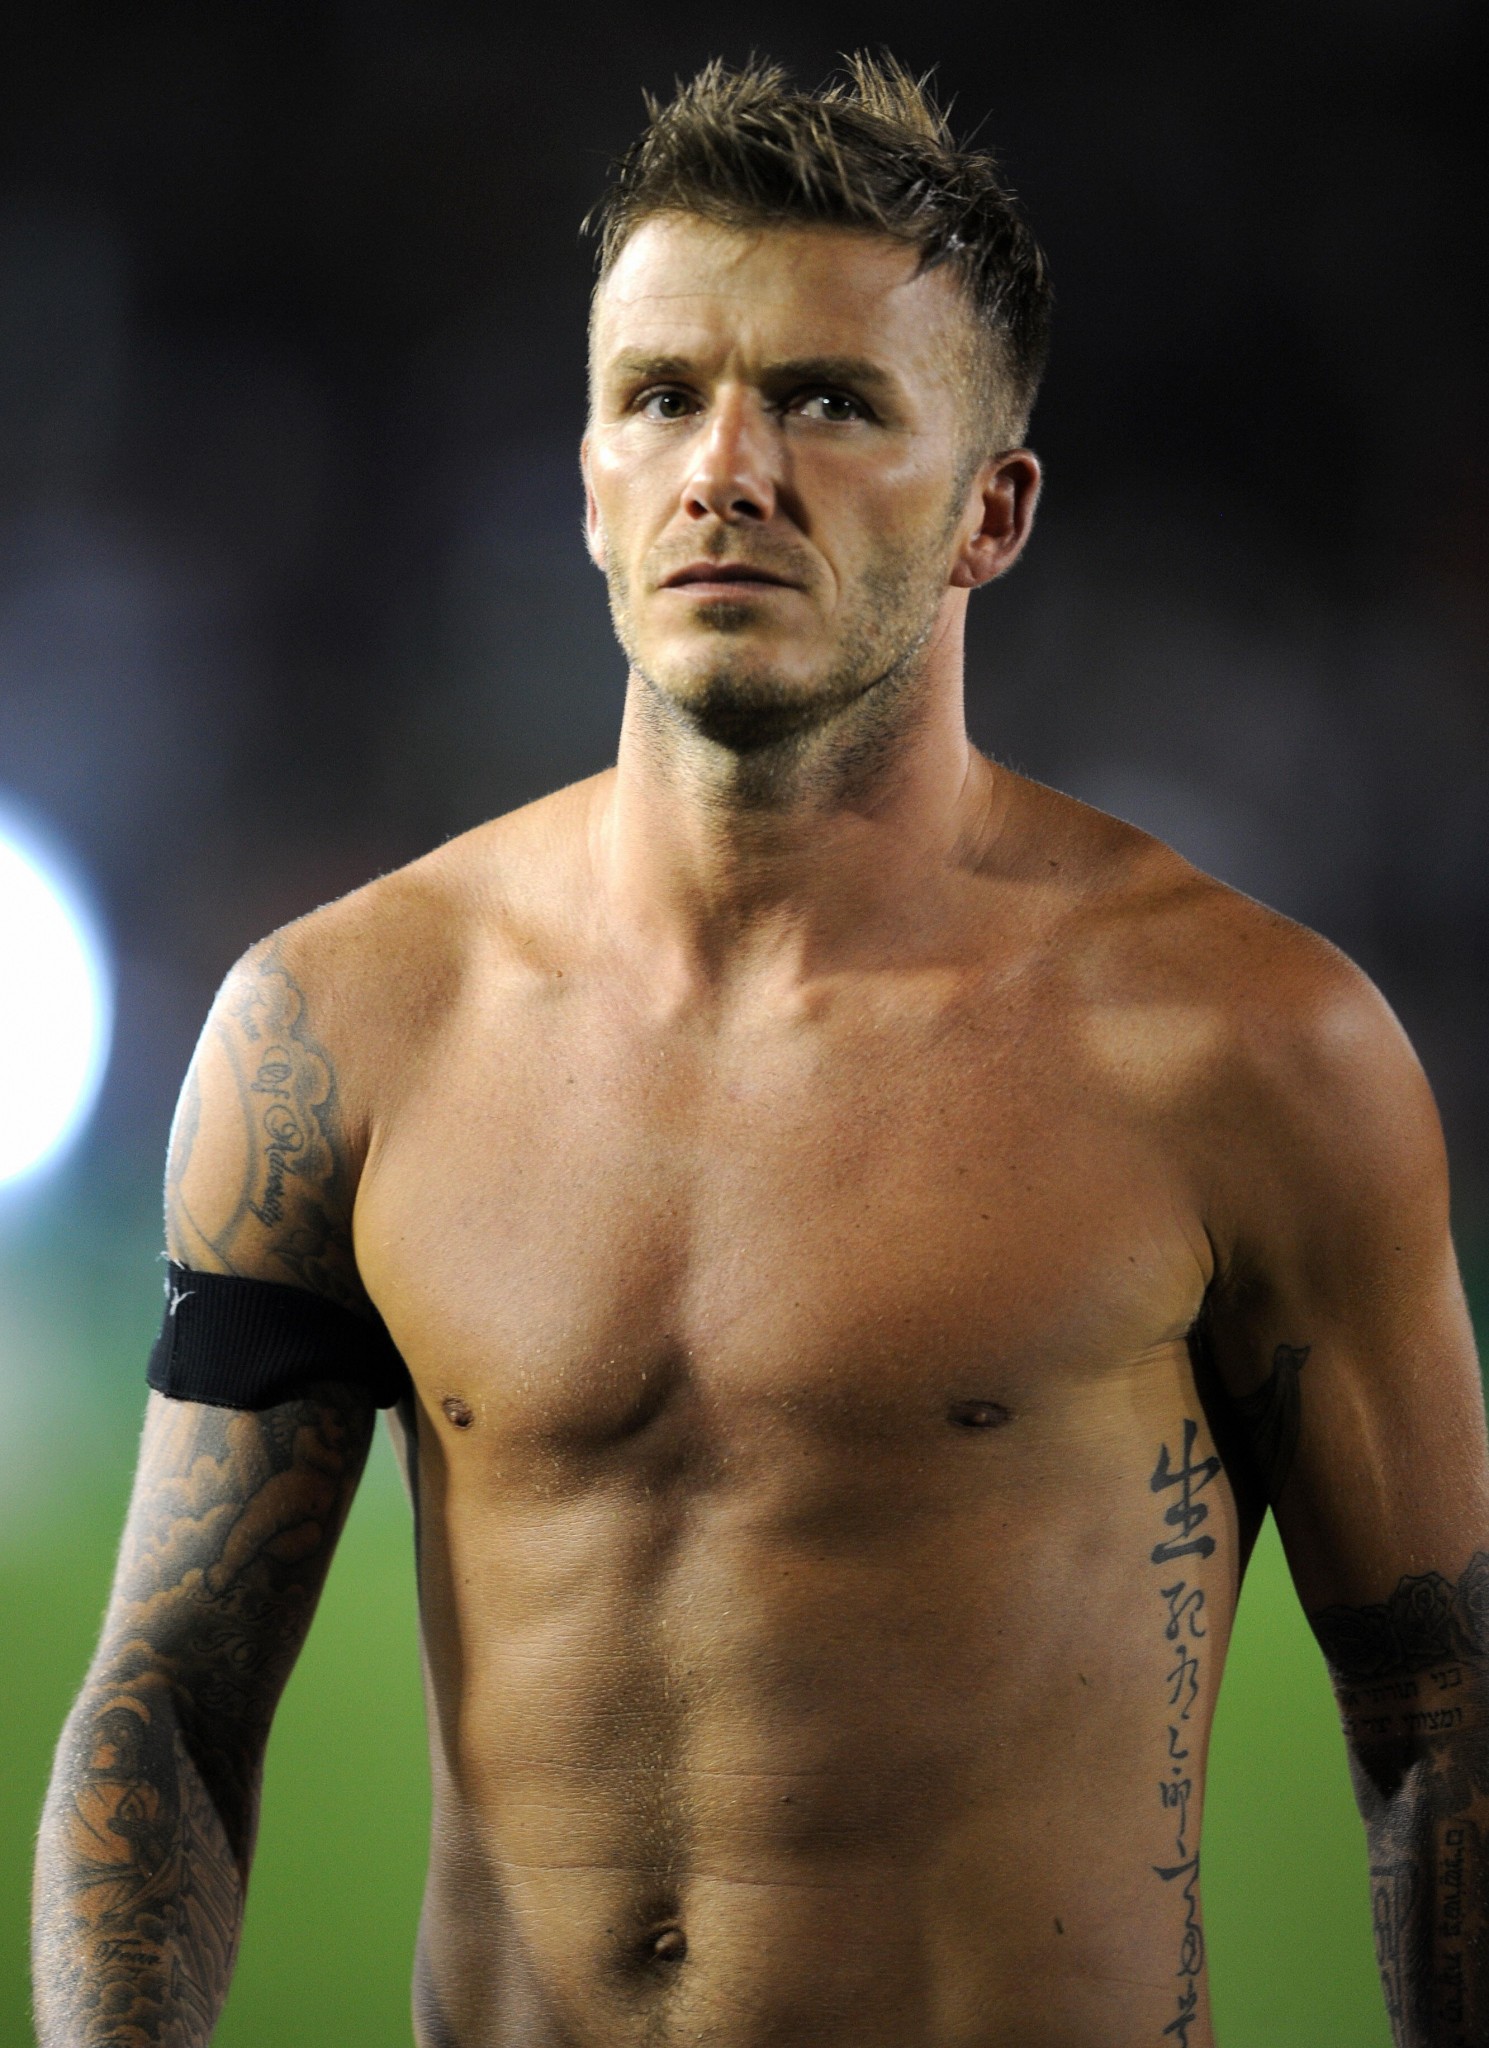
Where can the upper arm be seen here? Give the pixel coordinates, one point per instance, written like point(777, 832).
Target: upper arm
point(1337, 1319)
point(263, 1156)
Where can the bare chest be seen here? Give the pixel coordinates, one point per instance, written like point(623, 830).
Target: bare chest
point(837, 1225)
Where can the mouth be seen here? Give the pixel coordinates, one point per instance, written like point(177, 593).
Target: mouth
point(705, 577)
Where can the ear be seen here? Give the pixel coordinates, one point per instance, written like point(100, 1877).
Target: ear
point(999, 518)
point(594, 534)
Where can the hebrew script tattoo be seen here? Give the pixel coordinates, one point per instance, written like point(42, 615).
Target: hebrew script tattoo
point(1273, 1415)
point(1412, 1678)
point(288, 1214)
point(148, 1828)
point(1181, 1481)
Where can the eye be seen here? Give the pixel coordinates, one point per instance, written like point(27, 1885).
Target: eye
point(665, 404)
point(833, 408)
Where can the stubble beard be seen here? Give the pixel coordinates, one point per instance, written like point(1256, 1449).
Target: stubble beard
point(754, 739)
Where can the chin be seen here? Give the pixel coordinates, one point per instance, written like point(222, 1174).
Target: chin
point(744, 703)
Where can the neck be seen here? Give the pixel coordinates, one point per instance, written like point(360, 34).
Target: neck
point(834, 840)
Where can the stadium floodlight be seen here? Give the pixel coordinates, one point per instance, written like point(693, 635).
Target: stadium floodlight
point(56, 1005)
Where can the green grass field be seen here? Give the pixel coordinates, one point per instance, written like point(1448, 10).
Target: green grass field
point(331, 1919)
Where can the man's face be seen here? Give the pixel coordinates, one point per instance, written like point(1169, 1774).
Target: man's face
point(776, 464)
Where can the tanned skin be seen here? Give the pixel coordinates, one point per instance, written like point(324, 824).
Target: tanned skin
point(869, 1236)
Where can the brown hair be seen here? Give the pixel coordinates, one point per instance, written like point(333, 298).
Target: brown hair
point(749, 148)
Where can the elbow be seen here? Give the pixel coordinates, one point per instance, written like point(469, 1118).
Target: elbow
point(1388, 1777)
point(137, 1726)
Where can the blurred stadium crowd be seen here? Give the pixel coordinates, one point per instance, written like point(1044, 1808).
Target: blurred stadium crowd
point(291, 382)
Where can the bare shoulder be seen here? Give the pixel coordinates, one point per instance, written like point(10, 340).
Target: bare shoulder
point(307, 1037)
point(1280, 1053)
point(389, 948)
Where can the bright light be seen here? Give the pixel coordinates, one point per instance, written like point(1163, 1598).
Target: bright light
point(56, 1006)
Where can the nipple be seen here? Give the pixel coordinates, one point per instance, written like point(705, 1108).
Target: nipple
point(670, 1946)
point(978, 1414)
point(459, 1412)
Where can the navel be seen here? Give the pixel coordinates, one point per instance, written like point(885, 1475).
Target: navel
point(669, 1945)
point(978, 1414)
point(458, 1413)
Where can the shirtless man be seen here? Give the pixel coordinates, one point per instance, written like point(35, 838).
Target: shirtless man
point(866, 1235)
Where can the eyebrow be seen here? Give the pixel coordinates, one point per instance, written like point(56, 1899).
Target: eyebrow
point(632, 362)
point(869, 376)
point(856, 371)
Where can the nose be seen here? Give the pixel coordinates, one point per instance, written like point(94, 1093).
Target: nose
point(732, 476)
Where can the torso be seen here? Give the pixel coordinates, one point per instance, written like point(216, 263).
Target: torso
point(822, 1633)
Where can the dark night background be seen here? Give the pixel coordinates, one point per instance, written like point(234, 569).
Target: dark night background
point(291, 585)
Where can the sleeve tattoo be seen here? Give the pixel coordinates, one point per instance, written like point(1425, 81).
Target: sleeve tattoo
point(148, 1829)
point(1412, 1676)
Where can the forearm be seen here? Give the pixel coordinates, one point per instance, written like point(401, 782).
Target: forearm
point(149, 1823)
point(1429, 1890)
point(139, 1893)
point(1413, 1686)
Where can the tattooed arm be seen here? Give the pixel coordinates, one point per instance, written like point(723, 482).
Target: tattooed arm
point(1412, 1674)
point(1338, 1325)
point(149, 1824)
point(264, 1152)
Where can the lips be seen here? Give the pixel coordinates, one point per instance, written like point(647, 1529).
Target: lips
point(746, 574)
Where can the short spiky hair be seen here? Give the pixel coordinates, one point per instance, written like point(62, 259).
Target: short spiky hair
point(871, 150)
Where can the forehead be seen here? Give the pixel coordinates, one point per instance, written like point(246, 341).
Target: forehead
point(688, 287)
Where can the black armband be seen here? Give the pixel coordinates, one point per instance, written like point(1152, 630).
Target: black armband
point(237, 1343)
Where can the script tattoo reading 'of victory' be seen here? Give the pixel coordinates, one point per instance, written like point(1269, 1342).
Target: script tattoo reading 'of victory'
point(1179, 1483)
